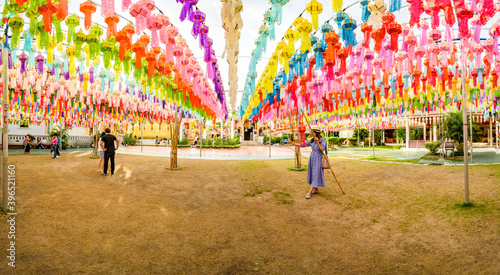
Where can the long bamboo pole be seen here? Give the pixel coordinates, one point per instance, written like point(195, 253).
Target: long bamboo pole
point(323, 153)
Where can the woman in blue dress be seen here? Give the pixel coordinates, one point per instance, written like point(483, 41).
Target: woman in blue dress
point(315, 174)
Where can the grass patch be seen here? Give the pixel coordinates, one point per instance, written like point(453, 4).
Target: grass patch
point(253, 192)
point(393, 159)
point(253, 164)
point(282, 197)
point(304, 168)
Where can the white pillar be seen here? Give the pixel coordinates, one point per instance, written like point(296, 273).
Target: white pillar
point(407, 134)
point(490, 134)
point(232, 127)
point(425, 132)
point(434, 132)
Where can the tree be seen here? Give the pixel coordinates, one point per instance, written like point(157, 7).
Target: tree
point(363, 133)
point(62, 133)
point(453, 125)
point(400, 134)
point(416, 133)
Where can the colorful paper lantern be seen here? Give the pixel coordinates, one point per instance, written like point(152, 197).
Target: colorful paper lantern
point(314, 8)
point(87, 8)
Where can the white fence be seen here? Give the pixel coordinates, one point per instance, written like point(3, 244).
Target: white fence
point(73, 141)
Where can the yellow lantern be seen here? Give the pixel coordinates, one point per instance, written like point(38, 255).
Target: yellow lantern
point(305, 29)
point(290, 37)
point(337, 5)
point(314, 8)
point(286, 53)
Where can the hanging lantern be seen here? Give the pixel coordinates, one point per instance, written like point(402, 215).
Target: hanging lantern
point(62, 10)
point(366, 29)
point(348, 27)
point(305, 29)
point(154, 25)
point(365, 13)
point(107, 8)
point(33, 14)
point(88, 8)
point(47, 11)
point(79, 39)
point(337, 5)
point(314, 8)
point(111, 21)
point(139, 49)
point(106, 48)
point(270, 23)
point(187, 9)
point(276, 9)
point(394, 29)
point(290, 37)
point(16, 23)
point(463, 16)
point(139, 12)
point(72, 21)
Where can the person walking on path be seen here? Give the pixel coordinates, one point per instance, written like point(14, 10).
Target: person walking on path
point(58, 146)
point(54, 145)
point(101, 154)
point(27, 146)
point(315, 174)
point(108, 145)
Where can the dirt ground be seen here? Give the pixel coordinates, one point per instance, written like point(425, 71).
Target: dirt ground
point(238, 217)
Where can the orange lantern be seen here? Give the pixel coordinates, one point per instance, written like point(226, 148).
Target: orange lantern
point(139, 49)
point(88, 8)
point(47, 11)
point(111, 20)
point(151, 58)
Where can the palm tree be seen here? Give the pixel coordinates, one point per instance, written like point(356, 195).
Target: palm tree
point(453, 126)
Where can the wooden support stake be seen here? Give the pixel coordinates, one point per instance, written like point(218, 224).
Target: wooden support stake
point(323, 153)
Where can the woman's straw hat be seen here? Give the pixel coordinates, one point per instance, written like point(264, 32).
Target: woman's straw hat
point(316, 129)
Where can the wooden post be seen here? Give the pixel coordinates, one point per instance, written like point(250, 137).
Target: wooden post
point(173, 147)
point(5, 129)
point(142, 134)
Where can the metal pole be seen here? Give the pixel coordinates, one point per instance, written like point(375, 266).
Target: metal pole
point(373, 135)
point(491, 132)
point(471, 136)
point(201, 138)
point(466, 159)
point(464, 117)
point(5, 129)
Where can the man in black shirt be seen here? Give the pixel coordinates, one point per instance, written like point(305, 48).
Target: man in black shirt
point(108, 145)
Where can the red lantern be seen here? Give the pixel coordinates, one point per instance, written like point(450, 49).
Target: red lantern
point(47, 11)
point(366, 30)
point(394, 29)
point(87, 8)
point(378, 35)
point(302, 130)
